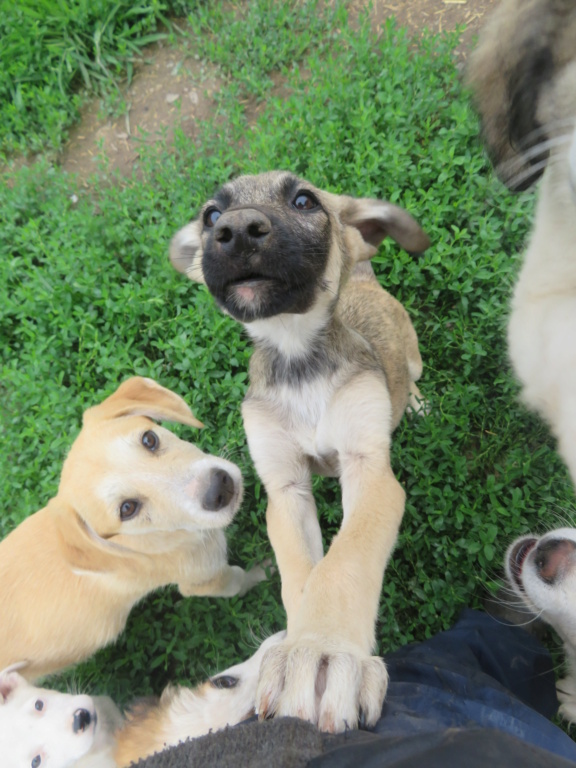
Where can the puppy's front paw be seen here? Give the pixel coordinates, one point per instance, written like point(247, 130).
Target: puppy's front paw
point(334, 689)
point(256, 575)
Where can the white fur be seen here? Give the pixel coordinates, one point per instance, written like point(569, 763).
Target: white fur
point(554, 602)
point(34, 737)
point(292, 334)
point(542, 325)
point(194, 712)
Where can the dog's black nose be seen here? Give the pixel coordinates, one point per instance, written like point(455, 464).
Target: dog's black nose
point(553, 557)
point(82, 720)
point(220, 491)
point(239, 229)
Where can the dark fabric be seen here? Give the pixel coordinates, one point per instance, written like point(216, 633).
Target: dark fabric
point(481, 673)
point(270, 744)
point(289, 743)
point(477, 695)
point(452, 748)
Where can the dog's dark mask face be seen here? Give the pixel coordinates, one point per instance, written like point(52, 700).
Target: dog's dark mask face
point(265, 243)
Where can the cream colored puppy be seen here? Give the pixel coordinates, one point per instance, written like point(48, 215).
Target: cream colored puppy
point(523, 75)
point(137, 508)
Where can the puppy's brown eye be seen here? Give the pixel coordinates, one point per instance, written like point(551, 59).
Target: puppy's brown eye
point(150, 440)
point(36, 762)
point(39, 705)
point(225, 681)
point(304, 201)
point(211, 216)
point(129, 509)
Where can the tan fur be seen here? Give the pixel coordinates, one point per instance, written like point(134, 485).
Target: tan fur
point(70, 573)
point(330, 411)
point(186, 713)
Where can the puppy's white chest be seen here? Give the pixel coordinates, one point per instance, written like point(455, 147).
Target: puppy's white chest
point(302, 410)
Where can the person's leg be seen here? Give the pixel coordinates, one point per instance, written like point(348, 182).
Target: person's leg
point(478, 673)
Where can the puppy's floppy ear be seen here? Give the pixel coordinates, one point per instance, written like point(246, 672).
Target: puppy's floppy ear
point(186, 252)
point(10, 680)
point(377, 219)
point(140, 396)
point(82, 548)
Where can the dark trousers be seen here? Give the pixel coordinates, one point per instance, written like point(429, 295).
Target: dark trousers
point(480, 673)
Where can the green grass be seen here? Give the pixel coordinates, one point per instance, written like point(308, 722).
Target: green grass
point(55, 52)
point(88, 299)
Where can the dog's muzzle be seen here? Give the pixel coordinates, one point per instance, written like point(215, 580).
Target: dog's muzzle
point(553, 557)
point(220, 491)
point(241, 230)
point(82, 720)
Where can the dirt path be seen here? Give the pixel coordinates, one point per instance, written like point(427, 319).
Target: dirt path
point(172, 85)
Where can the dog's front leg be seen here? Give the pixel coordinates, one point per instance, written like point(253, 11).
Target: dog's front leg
point(291, 516)
point(231, 580)
point(324, 671)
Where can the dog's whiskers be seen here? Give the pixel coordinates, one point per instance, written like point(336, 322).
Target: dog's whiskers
point(515, 170)
point(516, 180)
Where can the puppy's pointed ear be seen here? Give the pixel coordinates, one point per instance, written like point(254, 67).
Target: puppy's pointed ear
point(10, 680)
point(377, 219)
point(140, 396)
point(186, 252)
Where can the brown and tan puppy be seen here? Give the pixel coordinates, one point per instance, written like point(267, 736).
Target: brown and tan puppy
point(137, 508)
point(334, 365)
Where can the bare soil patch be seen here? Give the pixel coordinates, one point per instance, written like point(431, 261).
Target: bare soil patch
point(171, 87)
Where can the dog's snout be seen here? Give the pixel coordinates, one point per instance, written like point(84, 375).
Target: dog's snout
point(220, 491)
point(552, 557)
point(82, 720)
point(242, 227)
